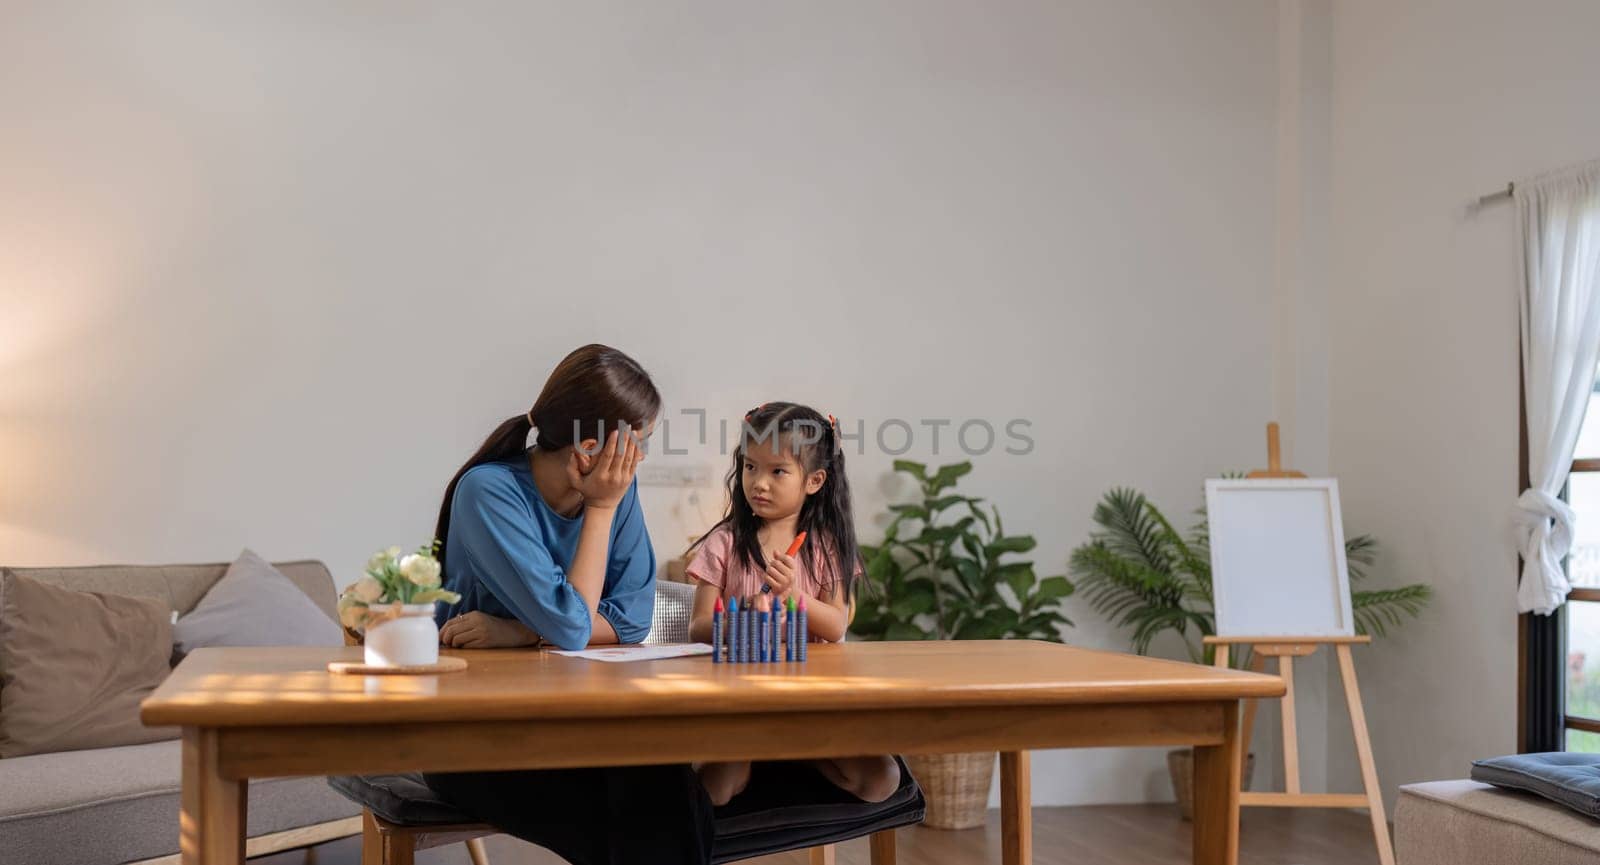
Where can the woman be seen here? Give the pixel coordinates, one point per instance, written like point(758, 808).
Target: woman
point(548, 545)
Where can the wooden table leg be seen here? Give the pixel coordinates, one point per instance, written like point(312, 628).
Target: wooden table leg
point(1016, 809)
point(1216, 794)
point(211, 821)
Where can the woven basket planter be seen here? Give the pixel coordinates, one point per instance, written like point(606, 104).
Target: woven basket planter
point(1180, 764)
point(956, 787)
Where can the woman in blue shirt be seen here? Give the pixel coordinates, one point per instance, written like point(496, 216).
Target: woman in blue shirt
point(547, 545)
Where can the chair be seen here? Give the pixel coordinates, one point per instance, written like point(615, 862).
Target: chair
point(784, 808)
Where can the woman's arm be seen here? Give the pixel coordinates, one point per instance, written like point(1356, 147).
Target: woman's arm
point(507, 555)
point(604, 486)
point(626, 612)
point(479, 630)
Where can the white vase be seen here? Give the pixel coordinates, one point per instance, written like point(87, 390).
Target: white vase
point(410, 639)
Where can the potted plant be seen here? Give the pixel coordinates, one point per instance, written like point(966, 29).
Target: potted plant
point(942, 572)
point(1141, 573)
point(394, 604)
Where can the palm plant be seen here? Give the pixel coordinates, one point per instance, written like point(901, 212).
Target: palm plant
point(1141, 573)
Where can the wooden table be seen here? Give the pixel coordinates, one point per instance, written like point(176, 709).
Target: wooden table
point(257, 713)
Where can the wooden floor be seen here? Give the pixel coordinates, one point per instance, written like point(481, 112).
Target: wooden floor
point(1096, 835)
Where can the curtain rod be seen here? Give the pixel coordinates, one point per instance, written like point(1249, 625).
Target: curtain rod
point(1501, 195)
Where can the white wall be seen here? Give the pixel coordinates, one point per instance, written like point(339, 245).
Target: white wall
point(1435, 103)
point(271, 271)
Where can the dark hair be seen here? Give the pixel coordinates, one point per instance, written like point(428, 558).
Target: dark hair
point(592, 389)
point(825, 516)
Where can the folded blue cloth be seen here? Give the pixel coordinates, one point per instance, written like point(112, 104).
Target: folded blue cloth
point(1563, 777)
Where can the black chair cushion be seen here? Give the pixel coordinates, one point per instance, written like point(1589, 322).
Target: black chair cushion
point(400, 799)
point(788, 806)
point(791, 806)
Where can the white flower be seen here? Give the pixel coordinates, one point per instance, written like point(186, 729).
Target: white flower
point(422, 570)
point(393, 552)
point(366, 590)
point(351, 613)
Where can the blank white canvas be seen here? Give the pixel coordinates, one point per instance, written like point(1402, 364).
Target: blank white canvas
point(1277, 558)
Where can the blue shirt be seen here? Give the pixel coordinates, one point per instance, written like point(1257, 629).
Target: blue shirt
point(507, 554)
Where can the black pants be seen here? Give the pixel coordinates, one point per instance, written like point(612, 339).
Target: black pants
point(628, 815)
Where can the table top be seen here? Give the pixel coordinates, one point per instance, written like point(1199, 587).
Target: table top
point(292, 687)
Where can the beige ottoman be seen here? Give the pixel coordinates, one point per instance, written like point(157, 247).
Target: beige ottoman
point(1467, 823)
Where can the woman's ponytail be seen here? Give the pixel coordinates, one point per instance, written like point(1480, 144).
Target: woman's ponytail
point(509, 439)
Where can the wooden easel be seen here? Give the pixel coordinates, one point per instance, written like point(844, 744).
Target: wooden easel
point(1286, 649)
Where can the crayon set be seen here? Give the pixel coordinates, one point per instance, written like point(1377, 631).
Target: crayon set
point(758, 631)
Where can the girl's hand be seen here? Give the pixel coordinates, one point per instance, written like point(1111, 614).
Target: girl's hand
point(603, 478)
point(780, 574)
point(478, 630)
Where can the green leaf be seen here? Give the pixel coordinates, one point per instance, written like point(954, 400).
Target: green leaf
point(915, 469)
point(943, 502)
point(1360, 552)
point(972, 505)
point(1013, 544)
point(432, 595)
point(1019, 576)
point(968, 573)
point(912, 603)
point(978, 629)
point(916, 512)
point(948, 474)
point(1378, 610)
point(903, 631)
point(944, 534)
point(1051, 588)
point(971, 545)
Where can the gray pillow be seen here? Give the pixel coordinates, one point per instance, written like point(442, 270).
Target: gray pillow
point(1562, 777)
point(255, 605)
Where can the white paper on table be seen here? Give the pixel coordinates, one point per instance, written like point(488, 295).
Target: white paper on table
point(639, 653)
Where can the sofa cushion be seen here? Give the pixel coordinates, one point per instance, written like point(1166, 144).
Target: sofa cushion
point(114, 805)
point(1570, 779)
point(255, 605)
point(180, 586)
point(1467, 823)
point(74, 666)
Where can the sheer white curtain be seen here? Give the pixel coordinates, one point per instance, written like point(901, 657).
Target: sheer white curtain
point(1558, 230)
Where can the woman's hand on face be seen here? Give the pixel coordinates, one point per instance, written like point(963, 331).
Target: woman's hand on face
point(610, 472)
point(477, 630)
point(780, 574)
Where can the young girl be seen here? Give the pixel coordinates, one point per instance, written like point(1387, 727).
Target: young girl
point(787, 478)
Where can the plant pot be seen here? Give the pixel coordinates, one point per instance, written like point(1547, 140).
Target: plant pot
point(1180, 765)
point(407, 636)
point(956, 787)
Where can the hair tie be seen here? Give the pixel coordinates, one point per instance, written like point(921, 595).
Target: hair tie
point(529, 416)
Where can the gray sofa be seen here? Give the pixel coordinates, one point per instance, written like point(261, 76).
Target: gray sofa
point(109, 806)
point(1467, 823)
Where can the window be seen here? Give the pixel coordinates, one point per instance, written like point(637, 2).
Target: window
point(1582, 611)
